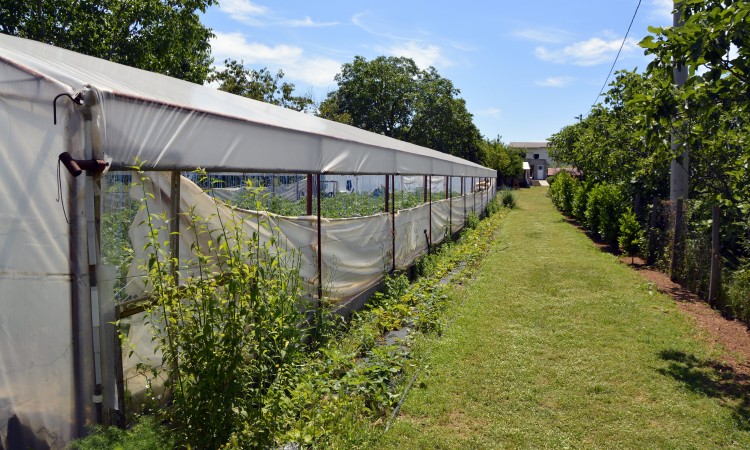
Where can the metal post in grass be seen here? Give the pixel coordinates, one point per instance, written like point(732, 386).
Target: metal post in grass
point(425, 188)
point(430, 180)
point(387, 191)
point(713, 287)
point(309, 194)
point(463, 194)
point(676, 239)
point(473, 196)
point(393, 224)
point(450, 206)
point(653, 232)
point(320, 246)
point(174, 223)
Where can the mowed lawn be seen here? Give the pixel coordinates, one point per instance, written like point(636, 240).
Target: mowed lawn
point(558, 345)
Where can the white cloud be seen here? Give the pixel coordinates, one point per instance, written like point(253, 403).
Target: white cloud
point(307, 22)
point(543, 35)
point(556, 82)
point(661, 10)
point(243, 10)
point(291, 59)
point(424, 55)
point(587, 53)
point(490, 112)
point(249, 13)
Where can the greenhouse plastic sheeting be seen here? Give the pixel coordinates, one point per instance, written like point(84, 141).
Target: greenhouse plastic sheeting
point(356, 251)
point(36, 354)
point(169, 124)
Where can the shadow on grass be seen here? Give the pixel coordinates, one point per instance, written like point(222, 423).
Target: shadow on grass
point(713, 379)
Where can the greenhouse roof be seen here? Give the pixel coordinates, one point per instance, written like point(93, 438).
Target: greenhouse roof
point(171, 124)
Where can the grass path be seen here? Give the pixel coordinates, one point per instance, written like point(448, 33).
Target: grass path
point(558, 345)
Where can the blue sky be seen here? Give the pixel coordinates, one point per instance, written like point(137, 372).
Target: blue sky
point(525, 68)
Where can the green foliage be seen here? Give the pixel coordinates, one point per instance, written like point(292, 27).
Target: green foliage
point(260, 85)
point(507, 198)
point(392, 96)
point(580, 201)
point(562, 191)
point(228, 333)
point(506, 160)
point(164, 36)
point(146, 434)
point(604, 207)
point(472, 220)
point(631, 234)
point(738, 293)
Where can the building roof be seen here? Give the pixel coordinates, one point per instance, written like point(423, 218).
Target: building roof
point(529, 144)
point(171, 124)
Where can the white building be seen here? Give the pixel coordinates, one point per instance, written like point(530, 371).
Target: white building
point(537, 156)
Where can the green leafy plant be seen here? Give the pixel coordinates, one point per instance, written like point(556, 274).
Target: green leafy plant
point(228, 330)
point(146, 434)
point(562, 191)
point(507, 198)
point(472, 220)
point(604, 207)
point(631, 234)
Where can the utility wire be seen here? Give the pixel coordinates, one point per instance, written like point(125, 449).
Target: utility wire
point(616, 57)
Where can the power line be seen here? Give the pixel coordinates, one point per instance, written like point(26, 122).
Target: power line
point(616, 57)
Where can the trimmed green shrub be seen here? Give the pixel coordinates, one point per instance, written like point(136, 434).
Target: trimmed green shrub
point(562, 190)
point(605, 205)
point(738, 293)
point(631, 234)
point(507, 198)
point(580, 201)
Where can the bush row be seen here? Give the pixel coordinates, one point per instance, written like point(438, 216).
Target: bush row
point(600, 207)
point(604, 210)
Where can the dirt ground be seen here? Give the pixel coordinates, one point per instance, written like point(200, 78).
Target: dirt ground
point(732, 336)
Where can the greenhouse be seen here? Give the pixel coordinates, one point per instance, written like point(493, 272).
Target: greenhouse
point(153, 153)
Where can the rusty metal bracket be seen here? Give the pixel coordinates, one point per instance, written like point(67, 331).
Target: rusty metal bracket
point(78, 100)
point(77, 166)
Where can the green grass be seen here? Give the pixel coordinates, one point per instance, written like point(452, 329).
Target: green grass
point(558, 345)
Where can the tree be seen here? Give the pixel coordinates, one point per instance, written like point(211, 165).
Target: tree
point(508, 161)
point(392, 96)
point(617, 143)
point(164, 36)
point(711, 113)
point(260, 85)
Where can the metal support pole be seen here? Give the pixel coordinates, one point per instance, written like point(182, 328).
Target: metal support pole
point(387, 191)
point(652, 232)
point(463, 194)
point(430, 210)
point(393, 224)
point(473, 195)
point(425, 189)
point(713, 287)
point(174, 223)
point(320, 247)
point(310, 193)
point(677, 240)
point(450, 210)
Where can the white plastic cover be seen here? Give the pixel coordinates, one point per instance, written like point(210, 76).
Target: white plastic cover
point(169, 124)
point(36, 386)
point(356, 251)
